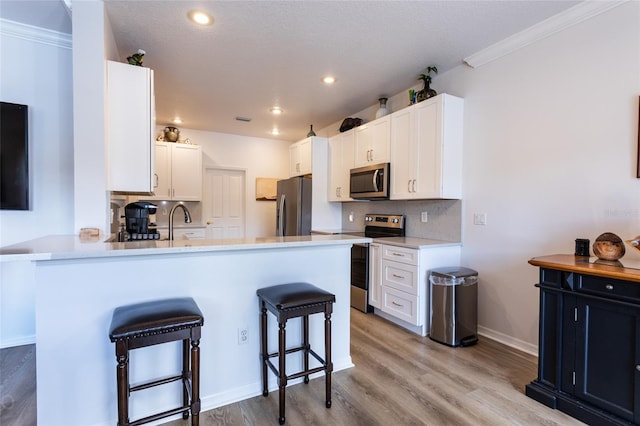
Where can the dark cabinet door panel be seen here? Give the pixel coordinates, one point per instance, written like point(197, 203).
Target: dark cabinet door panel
point(607, 356)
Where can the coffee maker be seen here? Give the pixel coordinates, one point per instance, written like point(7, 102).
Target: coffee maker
point(137, 222)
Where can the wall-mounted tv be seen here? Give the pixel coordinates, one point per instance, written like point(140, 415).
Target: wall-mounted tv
point(14, 157)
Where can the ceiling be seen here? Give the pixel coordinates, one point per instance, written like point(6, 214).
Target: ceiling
point(258, 54)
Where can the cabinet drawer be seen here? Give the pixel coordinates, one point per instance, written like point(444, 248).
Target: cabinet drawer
point(400, 276)
point(401, 305)
point(400, 254)
point(609, 287)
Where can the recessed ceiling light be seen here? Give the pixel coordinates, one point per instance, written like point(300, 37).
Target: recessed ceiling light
point(276, 110)
point(200, 17)
point(275, 132)
point(328, 79)
point(177, 120)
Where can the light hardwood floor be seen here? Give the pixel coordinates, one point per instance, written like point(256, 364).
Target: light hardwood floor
point(399, 378)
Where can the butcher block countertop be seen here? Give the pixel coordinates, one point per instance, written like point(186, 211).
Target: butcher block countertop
point(627, 269)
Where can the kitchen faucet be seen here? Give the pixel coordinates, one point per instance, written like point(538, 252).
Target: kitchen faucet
point(187, 217)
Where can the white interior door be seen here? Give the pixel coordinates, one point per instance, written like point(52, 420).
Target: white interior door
point(224, 203)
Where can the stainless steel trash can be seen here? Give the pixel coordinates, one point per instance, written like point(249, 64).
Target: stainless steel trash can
point(454, 306)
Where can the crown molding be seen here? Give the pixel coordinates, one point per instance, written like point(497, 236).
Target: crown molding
point(563, 20)
point(35, 34)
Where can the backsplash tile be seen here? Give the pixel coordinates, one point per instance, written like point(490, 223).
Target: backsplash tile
point(444, 216)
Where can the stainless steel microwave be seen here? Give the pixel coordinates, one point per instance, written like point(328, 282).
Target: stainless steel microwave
point(370, 182)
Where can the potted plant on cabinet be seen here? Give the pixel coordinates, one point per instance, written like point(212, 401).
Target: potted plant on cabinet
point(427, 92)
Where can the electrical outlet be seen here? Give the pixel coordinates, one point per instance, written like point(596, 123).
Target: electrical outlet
point(424, 217)
point(243, 335)
point(479, 218)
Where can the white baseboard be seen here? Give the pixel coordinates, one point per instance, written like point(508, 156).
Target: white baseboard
point(18, 341)
point(254, 389)
point(521, 345)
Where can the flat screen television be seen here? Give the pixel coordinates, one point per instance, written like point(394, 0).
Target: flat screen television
point(14, 156)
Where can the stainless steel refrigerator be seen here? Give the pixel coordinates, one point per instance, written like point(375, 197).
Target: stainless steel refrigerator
point(293, 215)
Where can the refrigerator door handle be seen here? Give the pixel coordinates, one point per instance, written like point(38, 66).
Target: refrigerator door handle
point(281, 221)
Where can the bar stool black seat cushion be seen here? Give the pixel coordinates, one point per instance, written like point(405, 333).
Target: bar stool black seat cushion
point(294, 295)
point(155, 317)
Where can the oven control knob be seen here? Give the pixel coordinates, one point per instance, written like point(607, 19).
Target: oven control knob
point(394, 220)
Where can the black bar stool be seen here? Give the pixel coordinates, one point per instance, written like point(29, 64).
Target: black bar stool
point(152, 323)
point(290, 301)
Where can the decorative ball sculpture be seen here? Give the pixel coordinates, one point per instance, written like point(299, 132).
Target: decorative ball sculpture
point(608, 246)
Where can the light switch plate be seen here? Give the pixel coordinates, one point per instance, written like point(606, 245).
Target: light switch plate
point(424, 217)
point(479, 218)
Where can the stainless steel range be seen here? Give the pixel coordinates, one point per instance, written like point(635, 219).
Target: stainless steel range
point(376, 226)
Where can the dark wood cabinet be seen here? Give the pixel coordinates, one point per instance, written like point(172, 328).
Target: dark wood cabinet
point(589, 347)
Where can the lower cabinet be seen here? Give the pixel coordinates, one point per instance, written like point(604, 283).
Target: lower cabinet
point(589, 348)
point(399, 281)
point(181, 233)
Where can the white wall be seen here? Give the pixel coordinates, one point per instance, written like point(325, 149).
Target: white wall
point(549, 155)
point(266, 158)
point(550, 148)
point(35, 69)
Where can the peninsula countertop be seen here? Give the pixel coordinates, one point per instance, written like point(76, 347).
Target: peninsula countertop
point(58, 247)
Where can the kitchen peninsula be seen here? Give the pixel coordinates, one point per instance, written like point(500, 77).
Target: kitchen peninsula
point(79, 283)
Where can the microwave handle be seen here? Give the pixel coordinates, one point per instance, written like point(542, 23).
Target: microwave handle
point(375, 181)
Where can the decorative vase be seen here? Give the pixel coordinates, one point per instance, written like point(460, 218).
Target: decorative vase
point(608, 246)
point(171, 134)
point(311, 132)
point(427, 92)
point(382, 111)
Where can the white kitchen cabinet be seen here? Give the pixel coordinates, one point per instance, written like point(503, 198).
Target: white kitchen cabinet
point(300, 158)
point(129, 129)
point(372, 142)
point(399, 284)
point(426, 149)
point(341, 150)
point(178, 172)
point(375, 274)
point(183, 233)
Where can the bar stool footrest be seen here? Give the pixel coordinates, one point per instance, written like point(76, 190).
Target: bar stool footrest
point(160, 416)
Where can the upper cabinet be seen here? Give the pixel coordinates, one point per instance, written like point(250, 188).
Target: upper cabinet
point(178, 172)
point(372, 142)
point(300, 158)
point(341, 150)
point(130, 123)
point(426, 149)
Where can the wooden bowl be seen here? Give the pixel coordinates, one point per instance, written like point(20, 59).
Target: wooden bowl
point(608, 246)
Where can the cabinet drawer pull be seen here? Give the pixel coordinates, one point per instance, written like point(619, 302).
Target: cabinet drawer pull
point(398, 276)
point(397, 304)
point(609, 286)
point(398, 254)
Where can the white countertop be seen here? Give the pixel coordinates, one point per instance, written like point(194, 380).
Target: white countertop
point(59, 247)
point(408, 242)
point(415, 243)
